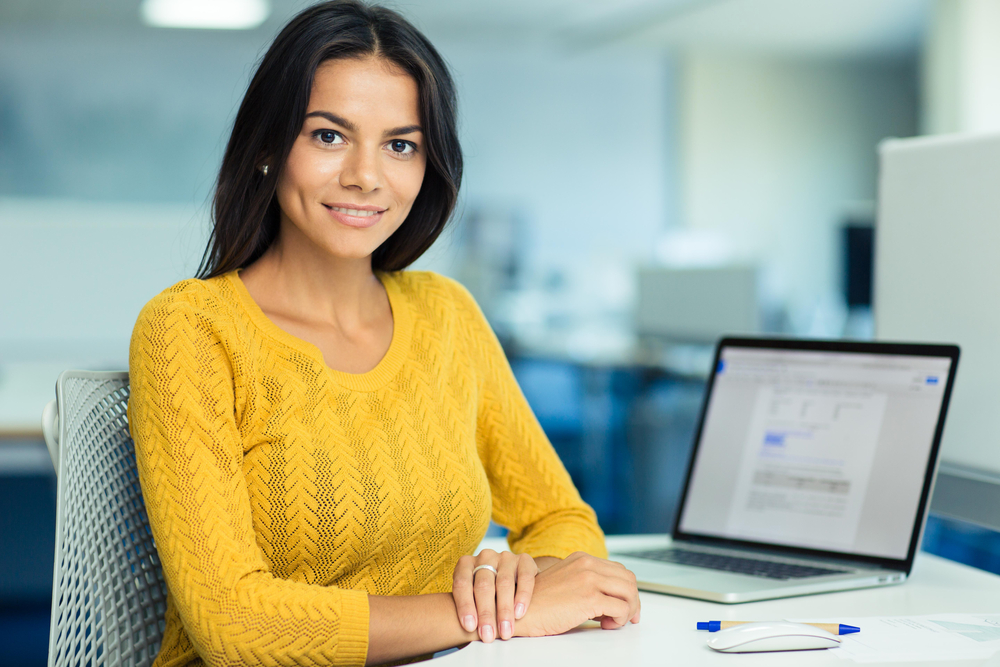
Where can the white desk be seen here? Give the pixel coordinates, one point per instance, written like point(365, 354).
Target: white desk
point(666, 634)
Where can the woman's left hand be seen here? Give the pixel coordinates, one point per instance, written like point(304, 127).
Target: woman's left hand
point(490, 601)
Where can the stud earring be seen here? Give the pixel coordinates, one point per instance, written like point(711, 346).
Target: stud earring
point(264, 169)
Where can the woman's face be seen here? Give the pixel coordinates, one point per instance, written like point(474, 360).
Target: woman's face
point(357, 165)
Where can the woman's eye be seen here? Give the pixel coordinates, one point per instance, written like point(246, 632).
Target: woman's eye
point(402, 147)
point(328, 136)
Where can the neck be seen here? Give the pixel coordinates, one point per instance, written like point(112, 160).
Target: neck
point(297, 279)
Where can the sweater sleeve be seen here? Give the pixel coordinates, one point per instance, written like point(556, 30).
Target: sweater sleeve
point(533, 495)
point(182, 416)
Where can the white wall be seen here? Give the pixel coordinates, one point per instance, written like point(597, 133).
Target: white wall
point(579, 143)
point(776, 152)
point(73, 276)
point(961, 67)
point(118, 113)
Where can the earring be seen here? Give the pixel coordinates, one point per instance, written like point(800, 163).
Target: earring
point(264, 169)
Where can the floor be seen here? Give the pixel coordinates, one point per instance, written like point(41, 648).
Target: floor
point(27, 545)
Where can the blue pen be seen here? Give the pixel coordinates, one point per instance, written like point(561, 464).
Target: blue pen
point(832, 628)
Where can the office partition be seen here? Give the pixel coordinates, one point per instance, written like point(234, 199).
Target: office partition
point(937, 278)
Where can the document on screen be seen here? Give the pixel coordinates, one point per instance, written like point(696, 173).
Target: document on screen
point(805, 465)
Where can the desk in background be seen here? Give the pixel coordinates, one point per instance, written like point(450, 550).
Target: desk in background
point(666, 634)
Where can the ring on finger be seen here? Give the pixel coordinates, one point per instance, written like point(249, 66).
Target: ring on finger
point(484, 567)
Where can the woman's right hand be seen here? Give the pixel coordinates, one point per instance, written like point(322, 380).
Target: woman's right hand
point(580, 588)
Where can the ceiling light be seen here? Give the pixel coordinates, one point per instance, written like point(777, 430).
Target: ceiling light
point(217, 14)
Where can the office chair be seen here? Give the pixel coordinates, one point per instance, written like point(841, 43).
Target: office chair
point(108, 593)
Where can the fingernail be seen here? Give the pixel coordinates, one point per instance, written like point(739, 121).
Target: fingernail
point(519, 610)
point(505, 629)
point(469, 623)
point(487, 633)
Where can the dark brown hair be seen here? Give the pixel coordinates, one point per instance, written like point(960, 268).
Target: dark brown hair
point(245, 211)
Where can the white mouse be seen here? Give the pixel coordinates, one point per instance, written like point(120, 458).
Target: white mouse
point(772, 636)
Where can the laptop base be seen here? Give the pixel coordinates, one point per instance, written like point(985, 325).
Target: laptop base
point(730, 588)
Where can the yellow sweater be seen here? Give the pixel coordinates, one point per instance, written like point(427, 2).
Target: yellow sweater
point(281, 492)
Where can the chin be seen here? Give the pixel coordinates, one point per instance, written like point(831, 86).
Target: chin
point(350, 251)
point(353, 246)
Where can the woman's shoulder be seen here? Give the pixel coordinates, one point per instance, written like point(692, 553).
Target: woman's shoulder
point(444, 304)
point(188, 302)
point(433, 288)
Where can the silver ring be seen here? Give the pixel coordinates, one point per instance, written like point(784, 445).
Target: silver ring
point(484, 567)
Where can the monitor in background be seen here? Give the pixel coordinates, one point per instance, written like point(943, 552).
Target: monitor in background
point(858, 263)
point(697, 305)
point(937, 277)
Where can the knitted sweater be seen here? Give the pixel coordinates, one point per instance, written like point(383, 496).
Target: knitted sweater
point(282, 492)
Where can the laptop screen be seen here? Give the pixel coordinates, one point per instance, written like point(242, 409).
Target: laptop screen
point(816, 449)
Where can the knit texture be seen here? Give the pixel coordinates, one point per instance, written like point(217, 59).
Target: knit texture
point(282, 492)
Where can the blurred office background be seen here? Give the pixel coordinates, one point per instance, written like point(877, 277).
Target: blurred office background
point(642, 176)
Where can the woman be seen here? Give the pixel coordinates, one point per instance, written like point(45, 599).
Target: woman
point(323, 438)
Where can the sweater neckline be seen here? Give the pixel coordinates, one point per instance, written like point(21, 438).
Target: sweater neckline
point(387, 367)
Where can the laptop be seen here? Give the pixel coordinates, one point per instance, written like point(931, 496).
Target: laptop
point(812, 469)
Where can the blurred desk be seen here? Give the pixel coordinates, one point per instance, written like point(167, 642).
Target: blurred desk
point(691, 361)
point(25, 388)
point(666, 634)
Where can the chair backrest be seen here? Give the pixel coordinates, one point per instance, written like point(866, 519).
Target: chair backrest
point(108, 593)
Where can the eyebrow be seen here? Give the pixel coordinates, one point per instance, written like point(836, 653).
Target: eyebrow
point(348, 125)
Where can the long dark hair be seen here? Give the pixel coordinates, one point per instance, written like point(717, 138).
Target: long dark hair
point(245, 211)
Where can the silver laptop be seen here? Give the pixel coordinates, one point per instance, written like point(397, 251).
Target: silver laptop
point(812, 469)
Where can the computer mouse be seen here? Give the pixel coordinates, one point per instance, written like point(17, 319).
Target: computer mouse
point(772, 636)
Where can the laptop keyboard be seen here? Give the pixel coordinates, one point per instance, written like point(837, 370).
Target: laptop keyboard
point(751, 566)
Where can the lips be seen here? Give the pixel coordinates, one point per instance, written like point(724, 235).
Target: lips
point(358, 212)
point(355, 216)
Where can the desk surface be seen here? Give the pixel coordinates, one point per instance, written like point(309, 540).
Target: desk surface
point(666, 634)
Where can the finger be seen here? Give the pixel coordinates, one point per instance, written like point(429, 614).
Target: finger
point(614, 581)
point(583, 562)
point(615, 574)
point(615, 612)
point(484, 590)
point(506, 579)
point(609, 623)
point(461, 591)
point(638, 600)
point(624, 589)
point(527, 570)
point(612, 613)
point(635, 603)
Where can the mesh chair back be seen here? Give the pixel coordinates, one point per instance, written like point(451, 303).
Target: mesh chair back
point(108, 593)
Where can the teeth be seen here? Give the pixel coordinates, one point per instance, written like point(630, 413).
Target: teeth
point(354, 211)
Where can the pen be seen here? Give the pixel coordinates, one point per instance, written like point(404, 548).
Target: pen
point(832, 628)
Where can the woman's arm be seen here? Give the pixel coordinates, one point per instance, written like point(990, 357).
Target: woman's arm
point(567, 593)
point(532, 492)
point(533, 495)
point(406, 626)
point(189, 450)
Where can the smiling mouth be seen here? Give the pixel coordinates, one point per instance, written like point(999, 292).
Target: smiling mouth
point(360, 213)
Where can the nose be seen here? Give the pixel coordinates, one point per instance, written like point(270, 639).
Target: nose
point(361, 169)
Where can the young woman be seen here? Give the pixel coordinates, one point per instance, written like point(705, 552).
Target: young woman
point(322, 438)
